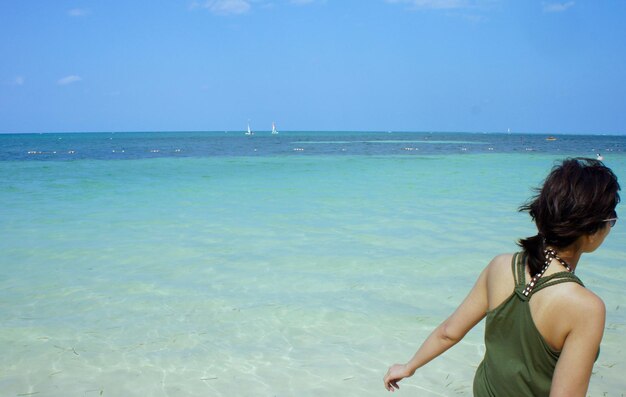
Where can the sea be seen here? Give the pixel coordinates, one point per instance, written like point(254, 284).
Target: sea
point(298, 264)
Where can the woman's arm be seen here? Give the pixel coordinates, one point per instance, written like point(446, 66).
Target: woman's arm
point(446, 335)
point(573, 370)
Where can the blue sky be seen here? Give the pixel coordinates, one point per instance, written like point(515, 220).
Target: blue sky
point(374, 65)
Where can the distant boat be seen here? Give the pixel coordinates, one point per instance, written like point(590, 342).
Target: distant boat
point(249, 132)
point(274, 132)
point(550, 138)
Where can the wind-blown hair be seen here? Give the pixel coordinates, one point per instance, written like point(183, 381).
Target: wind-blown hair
point(574, 200)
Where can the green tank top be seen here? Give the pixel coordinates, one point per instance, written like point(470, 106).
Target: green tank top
point(518, 361)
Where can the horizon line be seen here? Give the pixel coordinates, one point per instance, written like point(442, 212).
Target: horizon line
point(320, 130)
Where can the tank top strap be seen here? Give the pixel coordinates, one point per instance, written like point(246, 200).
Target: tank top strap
point(556, 278)
point(519, 269)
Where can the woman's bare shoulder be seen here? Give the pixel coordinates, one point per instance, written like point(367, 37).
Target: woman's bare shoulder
point(500, 280)
point(579, 300)
point(575, 307)
point(500, 263)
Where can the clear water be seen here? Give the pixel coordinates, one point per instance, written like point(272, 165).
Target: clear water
point(219, 270)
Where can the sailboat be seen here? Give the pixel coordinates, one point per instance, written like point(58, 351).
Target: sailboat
point(249, 132)
point(274, 132)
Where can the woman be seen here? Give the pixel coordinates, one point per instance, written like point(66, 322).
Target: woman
point(543, 327)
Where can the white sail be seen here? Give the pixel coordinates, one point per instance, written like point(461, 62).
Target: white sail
point(274, 132)
point(249, 132)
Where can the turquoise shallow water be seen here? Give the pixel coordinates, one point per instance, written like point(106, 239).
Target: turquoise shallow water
point(262, 275)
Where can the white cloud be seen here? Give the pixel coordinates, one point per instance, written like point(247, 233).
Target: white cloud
point(232, 7)
point(17, 80)
point(77, 12)
point(69, 80)
point(556, 7)
point(225, 7)
point(434, 4)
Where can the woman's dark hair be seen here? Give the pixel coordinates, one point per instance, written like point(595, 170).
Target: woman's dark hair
point(574, 200)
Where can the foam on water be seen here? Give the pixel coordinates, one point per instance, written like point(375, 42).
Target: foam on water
point(264, 276)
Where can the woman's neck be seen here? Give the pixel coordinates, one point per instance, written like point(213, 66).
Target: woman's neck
point(570, 254)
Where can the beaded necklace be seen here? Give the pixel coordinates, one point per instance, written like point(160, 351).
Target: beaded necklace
point(550, 254)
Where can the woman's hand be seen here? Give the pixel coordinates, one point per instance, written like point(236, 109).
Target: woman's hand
point(395, 374)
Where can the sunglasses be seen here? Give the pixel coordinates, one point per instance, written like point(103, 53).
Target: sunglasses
point(613, 220)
